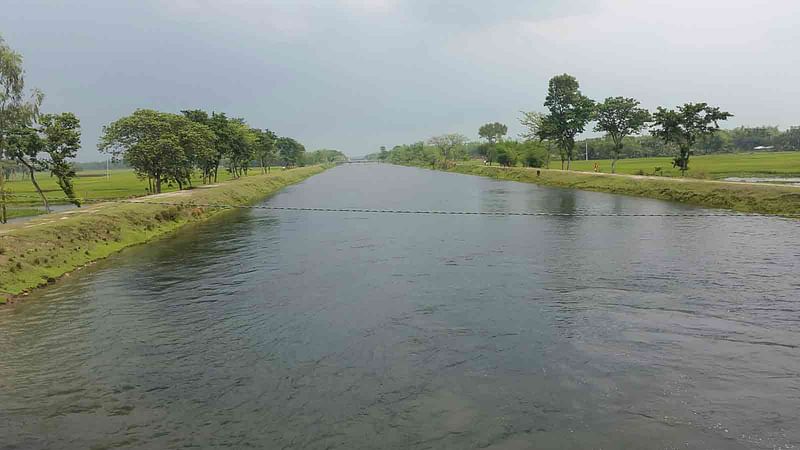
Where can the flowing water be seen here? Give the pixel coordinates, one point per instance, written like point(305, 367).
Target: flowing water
point(271, 329)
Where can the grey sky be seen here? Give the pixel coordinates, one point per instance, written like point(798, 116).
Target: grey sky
point(357, 74)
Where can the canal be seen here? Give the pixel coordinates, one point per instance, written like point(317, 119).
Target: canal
point(281, 329)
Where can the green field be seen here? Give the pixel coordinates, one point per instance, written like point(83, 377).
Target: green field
point(89, 185)
point(714, 167)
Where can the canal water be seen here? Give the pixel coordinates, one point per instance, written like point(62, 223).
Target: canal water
point(318, 330)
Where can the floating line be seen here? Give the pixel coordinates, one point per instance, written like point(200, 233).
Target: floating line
point(143, 201)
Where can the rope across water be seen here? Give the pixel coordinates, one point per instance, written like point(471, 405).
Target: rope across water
point(142, 201)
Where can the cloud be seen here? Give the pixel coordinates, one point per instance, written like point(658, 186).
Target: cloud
point(357, 74)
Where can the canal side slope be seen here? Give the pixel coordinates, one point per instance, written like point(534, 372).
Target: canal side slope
point(743, 197)
point(39, 251)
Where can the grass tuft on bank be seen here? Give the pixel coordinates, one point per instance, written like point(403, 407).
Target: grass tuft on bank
point(40, 251)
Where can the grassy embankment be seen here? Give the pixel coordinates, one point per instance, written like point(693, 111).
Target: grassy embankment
point(89, 184)
point(719, 166)
point(39, 251)
point(744, 197)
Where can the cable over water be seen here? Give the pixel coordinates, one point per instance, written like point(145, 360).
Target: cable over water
point(142, 201)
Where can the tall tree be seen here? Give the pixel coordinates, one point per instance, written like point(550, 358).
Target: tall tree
point(265, 148)
point(225, 136)
point(241, 147)
point(291, 151)
point(684, 125)
point(197, 142)
point(619, 117)
point(149, 142)
point(448, 144)
point(23, 144)
point(493, 132)
point(206, 156)
point(16, 109)
point(570, 111)
point(532, 121)
point(61, 138)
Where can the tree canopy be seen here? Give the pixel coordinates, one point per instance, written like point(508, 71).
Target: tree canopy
point(570, 111)
point(620, 117)
point(684, 125)
point(291, 151)
point(324, 156)
point(449, 145)
point(17, 109)
point(493, 132)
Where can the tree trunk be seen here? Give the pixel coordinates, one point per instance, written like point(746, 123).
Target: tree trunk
point(3, 217)
point(36, 185)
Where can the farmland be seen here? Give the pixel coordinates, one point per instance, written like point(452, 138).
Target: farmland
point(715, 167)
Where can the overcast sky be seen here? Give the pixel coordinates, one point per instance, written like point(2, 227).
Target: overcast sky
point(357, 74)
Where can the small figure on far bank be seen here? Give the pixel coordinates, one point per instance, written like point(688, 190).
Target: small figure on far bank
point(596, 167)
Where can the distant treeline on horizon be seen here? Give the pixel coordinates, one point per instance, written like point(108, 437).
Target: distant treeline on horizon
point(735, 140)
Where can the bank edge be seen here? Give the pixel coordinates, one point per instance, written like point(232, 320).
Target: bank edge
point(51, 246)
point(742, 197)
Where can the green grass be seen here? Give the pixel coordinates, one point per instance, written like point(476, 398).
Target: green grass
point(744, 197)
point(93, 184)
point(719, 166)
point(42, 250)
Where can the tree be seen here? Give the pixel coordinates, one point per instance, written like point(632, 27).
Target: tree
point(325, 156)
point(682, 127)
point(448, 145)
point(532, 121)
point(488, 152)
point(150, 142)
point(507, 153)
point(570, 111)
point(291, 151)
point(790, 139)
point(534, 153)
point(23, 144)
point(224, 137)
point(197, 143)
point(493, 132)
point(16, 110)
point(241, 147)
point(265, 148)
point(619, 117)
point(61, 138)
point(207, 161)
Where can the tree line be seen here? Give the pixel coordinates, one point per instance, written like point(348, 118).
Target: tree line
point(736, 140)
point(568, 113)
point(163, 148)
point(166, 148)
point(29, 139)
